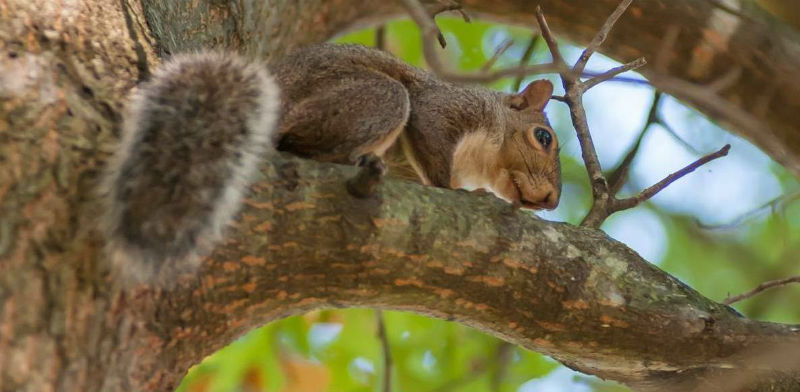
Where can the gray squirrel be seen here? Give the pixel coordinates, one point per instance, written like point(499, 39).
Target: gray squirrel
point(195, 132)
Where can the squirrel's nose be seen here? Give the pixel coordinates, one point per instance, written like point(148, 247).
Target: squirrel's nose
point(551, 201)
point(548, 197)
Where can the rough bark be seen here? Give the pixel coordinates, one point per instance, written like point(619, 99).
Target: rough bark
point(565, 291)
point(65, 69)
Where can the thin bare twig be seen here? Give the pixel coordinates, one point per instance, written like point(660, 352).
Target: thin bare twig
point(380, 37)
point(492, 76)
point(526, 56)
point(455, 385)
point(763, 286)
point(675, 135)
point(573, 98)
point(621, 79)
point(638, 63)
point(544, 29)
point(578, 114)
point(497, 53)
point(620, 175)
point(502, 359)
point(600, 37)
point(440, 6)
point(387, 352)
point(777, 204)
point(430, 32)
point(604, 201)
point(711, 103)
point(633, 201)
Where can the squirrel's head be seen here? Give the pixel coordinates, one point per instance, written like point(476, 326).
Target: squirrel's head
point(528, 165)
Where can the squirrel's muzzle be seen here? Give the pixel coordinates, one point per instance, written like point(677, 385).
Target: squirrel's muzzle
point(531, 194)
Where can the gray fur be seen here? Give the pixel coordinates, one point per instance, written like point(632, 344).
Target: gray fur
point(192, 138)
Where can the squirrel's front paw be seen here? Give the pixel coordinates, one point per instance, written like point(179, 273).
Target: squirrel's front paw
point(373, 168)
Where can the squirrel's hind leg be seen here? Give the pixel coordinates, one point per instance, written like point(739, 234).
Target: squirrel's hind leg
point(354, 120)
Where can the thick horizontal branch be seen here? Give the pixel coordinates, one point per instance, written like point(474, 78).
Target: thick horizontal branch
point(303, 243)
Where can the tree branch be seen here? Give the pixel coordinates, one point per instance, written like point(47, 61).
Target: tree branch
point(768, 123)
point(498, 52)
point(600, 37)
point(387, 351)
point(604, 201)
point(608, 75)
point(624, 204)
point(526, 57)
point(380, 37)
point(303, 243)
point(776, 205)
point(762, 287)
point(549, 39)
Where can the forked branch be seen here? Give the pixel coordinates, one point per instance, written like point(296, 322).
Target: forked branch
point(600, 37)
point(605, 202)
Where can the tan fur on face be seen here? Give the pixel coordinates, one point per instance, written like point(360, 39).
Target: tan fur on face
point(510, 166)
point(475, 161)
point(534, 171)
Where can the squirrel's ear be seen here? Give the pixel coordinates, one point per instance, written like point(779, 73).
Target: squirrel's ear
point(535, 96)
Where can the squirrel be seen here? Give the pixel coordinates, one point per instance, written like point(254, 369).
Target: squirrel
point(194, 133)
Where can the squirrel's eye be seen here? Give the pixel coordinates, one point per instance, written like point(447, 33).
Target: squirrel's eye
point(543, 136)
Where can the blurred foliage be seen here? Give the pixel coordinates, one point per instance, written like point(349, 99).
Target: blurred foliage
point(338, 350)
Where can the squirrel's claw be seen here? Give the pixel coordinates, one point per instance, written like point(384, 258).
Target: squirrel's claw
point(373, 168)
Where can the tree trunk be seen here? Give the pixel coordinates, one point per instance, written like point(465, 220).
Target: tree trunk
point(65, 325)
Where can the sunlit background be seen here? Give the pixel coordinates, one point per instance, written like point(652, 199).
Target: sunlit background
point(724, 229)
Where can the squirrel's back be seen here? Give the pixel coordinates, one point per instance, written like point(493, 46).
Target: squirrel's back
point(192, 140)
point(305, 70)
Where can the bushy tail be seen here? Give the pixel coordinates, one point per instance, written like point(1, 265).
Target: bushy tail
point(193, 137)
